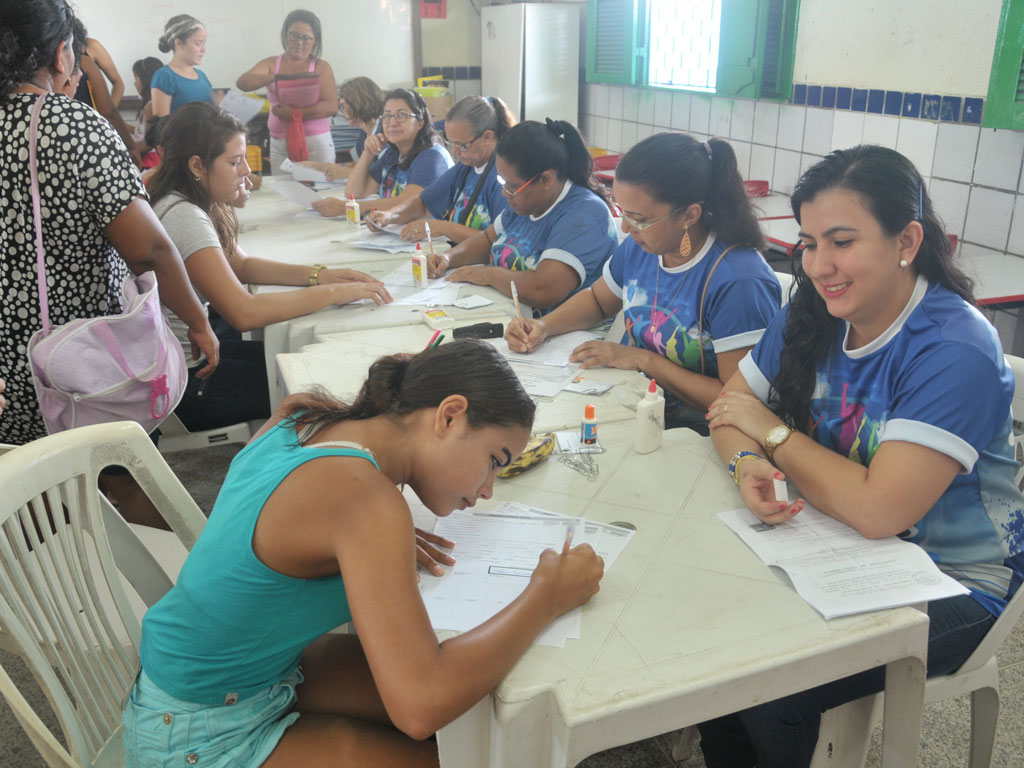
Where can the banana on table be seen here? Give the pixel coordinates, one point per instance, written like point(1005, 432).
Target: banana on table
point(538, 449)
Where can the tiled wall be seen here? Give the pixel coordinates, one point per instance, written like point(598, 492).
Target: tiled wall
point(973, 173)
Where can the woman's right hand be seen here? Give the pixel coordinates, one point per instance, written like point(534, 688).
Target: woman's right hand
point(205, 340)
point(525, 334)
point(345, 293)
point(758, 492)
point(377, 219)
point(329, 206)
point(437, 263)
point(375, 142)
point(568, 580)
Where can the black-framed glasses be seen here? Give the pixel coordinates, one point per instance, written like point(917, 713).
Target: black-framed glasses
point(304, 39)
point(524, 185)
point(401, 117)
point(452, 145)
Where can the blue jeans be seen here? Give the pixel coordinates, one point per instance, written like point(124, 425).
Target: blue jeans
point(783, 733)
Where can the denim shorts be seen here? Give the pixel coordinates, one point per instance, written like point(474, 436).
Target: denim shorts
point(163, 731)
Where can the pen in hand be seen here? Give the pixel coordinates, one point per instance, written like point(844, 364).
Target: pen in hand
point(570, 532)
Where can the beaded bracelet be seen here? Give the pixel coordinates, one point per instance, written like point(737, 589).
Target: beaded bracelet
point(737, 458)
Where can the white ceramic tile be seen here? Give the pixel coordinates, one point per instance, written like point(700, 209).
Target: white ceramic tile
point(1017, 228)
point(787, 171)
point(916, 142)
point(742, 126)
point(762, 163)
point(806, 161)
point(700, 136)
point(847, 129)
point(988, 217)
point(881, 129)
point(584, 127)
point(680, 111)
point(663, 109)
point(643, 130)
point(721, 116)
point(742, 150)
point(628, 135)
point(464, 88)
point(615, 102)
point(600, 105)
point(599, 131)
point(818, 131)
point(645, 106)
point(999, 157)
point(614, 135)
point(630, 97)
point(589, 98)
point(791, 127)
point(766, 123)
point(955, 149)
point(949, 198)
point(700, 114)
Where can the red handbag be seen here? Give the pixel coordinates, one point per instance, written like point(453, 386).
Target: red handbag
point(297, 150)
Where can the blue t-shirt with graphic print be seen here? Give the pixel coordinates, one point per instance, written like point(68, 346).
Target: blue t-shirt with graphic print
point(448, 197)
point(576, 230)
point(660, 305)
point(936, 377)
point(426, 168)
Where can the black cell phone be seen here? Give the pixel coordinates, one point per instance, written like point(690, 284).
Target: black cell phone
point(479, 331)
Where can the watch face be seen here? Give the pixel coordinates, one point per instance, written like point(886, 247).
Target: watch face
point(777, 434)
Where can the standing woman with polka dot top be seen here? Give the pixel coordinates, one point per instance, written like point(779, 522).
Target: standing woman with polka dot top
point(96, 222)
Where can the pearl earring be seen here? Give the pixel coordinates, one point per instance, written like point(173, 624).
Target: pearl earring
point(904, 263)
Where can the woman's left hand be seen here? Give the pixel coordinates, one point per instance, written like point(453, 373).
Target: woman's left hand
point(477, 275)
point(345, 276)
point(414, 231)
point(743, 411)
point(607, 354)
point(282, 111)
point(427, 553)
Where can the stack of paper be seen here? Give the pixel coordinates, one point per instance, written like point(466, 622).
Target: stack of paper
point(495, 555)
point(546, 371)
point(839, 571)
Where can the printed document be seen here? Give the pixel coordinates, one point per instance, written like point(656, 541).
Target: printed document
point(554, 350)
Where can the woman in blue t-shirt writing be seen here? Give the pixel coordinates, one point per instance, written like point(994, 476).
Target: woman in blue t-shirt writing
point(883, 395)
point(695, 293)
point(181, 81)
point(468, 196)
point(557, 231)
point(399, 164)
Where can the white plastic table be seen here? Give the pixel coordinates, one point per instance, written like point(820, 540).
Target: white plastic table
point(688, 625)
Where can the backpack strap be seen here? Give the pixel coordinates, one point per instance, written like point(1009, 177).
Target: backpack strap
point(33, 140)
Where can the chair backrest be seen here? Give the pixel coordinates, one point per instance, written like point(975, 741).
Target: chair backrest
point(786, 284)
point(63, 606)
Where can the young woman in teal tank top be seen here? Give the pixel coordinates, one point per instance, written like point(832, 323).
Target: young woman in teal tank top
point(309, 531)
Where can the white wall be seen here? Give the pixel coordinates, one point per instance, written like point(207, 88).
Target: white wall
point(927, 46)
point(454, 41)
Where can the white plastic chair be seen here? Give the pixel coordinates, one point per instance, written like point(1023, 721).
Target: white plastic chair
point(65, 554)
point(785, 283)
point(175, 437)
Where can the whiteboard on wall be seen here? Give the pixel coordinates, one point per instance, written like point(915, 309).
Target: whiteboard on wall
point(360, 37)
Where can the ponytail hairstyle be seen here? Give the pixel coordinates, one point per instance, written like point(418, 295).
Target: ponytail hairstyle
point(892, 190)
point(203, 129)
point(178, 27)
point(426, 136)
point(398, 385)
point(482, 113)
point(533, 147)
point(30, 31)
point(303, 17)
point(677, 169)
point(144, 69)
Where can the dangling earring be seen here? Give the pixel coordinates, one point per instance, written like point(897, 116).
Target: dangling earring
point(685, 249)
point(904, 263)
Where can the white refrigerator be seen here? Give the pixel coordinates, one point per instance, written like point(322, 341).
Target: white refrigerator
point(530, 57)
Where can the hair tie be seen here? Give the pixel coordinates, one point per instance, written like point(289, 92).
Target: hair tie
point(707, 148)
point(555, 128)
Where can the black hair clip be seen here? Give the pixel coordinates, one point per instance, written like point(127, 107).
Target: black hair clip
point(555, 128)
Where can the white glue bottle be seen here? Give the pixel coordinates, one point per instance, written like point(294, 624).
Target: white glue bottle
point(419, 268)
point(352, 211)
point(650, 420)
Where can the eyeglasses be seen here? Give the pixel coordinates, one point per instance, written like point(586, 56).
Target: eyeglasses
point(304, 39)
point(640, 226)
point(463, 146)
point(525, 184)
point(401, 117)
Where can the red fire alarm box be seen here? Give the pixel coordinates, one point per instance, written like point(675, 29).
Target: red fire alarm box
point(433, 9)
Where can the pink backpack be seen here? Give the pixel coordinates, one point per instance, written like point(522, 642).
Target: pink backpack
point(100, 369)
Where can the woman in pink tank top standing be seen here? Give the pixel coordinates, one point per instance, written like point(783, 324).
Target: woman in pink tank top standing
point(297, 82)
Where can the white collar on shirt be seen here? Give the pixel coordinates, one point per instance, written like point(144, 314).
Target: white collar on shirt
point(920, 289)
point(560, 198)
point(709, 241)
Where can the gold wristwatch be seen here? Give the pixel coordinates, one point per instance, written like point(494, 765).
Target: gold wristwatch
point(314, 274)
point(776, 436)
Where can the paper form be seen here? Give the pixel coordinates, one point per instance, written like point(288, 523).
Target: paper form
point(297, 193)
point(495, 555)
point(406, 293)
point(386, 241)
point(554, 350)
point(245, 108)
point(543, 380)
point(837, 570)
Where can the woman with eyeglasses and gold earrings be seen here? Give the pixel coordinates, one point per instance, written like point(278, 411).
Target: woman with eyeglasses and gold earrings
point(297, 81)
point(399, 164)
point(695, 292)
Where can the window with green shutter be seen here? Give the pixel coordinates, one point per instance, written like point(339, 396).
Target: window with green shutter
point(1004, 107)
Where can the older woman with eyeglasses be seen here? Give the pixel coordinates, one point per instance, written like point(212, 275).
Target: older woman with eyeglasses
point(695, 293)
point(298, 81)
point(398, 164)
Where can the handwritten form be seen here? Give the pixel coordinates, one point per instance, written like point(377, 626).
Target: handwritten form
point(546, 371)
point(495, 555)
point(837, 570)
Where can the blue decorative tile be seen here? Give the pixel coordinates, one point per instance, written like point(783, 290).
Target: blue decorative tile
point(972, 110)
point(893, 102)
point(428, 71)
point(800, 94)
point(462, 73)
point(448, 73)
point(860, 100)
point(949, 111)
point(843, 97)
point(930, 106)
point(474, 73)
point(814, 95)
point(911, 105)
point(876, 100)
point(828, 96)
